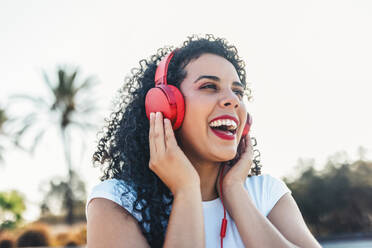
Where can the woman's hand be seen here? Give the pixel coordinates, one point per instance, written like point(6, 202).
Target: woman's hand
point(237, 174)
point(167, 160)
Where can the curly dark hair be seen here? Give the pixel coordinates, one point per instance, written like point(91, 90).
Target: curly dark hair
point(123, 148)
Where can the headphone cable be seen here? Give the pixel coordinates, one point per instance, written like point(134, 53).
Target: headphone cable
point(224, 220)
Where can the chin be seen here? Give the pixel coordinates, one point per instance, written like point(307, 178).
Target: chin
point(226, 156)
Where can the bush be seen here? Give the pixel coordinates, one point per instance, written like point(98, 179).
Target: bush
point(7, 243)
point(33, 236)
point(74, 237)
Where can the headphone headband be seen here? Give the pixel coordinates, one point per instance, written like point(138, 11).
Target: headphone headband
point(162, 70)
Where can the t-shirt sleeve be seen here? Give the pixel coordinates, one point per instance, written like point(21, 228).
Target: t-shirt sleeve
point(113, 189)
point(274, 189)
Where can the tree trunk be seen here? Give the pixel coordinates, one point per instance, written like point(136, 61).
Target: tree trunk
point(69, 200)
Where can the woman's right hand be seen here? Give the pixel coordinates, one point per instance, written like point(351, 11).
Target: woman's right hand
point(167, 160)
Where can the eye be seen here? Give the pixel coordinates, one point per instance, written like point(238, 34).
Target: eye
point(210, 86)
point(239, 93)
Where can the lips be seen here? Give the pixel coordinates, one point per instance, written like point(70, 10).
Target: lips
point(226, 135)
point(226, 117)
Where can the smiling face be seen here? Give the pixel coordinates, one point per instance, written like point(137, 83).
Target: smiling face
point(211, 89)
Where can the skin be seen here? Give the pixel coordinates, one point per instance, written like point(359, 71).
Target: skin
point(188, 162)
point(205, 100)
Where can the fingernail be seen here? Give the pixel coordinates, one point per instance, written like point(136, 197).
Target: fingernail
point(152, 115)
point(157, 114)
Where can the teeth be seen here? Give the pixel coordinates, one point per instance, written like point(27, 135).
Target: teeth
point(225, 122)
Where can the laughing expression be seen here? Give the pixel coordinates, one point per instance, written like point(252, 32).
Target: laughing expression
point(214, 110)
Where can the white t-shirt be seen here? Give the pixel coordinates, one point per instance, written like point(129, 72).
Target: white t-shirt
point(264, 191)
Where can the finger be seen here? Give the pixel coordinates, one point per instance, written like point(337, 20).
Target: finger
point(249, 143)
point(151, 135)
point(247, 146)
point(170, 140)
point(242, 145)
point(246, 143)
point(159, 133)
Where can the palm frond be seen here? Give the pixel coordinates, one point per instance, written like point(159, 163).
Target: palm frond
point(84, 126)
point(87, 107)
point(71, 80)
point(61, 77)
point(37, 139)
point(87, 84)
point(47, 81)
point(38, 101)
point(27, 122)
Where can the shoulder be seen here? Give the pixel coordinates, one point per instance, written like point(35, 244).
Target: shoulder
point(112, 188)
point(265, 191)
point(110, 225)
point(264, 182)
point(116, 191)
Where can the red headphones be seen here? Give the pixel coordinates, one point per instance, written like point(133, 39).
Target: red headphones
point(165, 98)
point(169, 100)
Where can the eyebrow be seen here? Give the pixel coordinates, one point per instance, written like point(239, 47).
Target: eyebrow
point(215, 78)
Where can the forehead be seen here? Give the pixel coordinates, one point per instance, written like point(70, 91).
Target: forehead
point(211, 64)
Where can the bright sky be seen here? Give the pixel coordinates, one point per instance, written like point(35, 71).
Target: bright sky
point(309, 63)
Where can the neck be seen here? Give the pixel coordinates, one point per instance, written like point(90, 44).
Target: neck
point(208, 172)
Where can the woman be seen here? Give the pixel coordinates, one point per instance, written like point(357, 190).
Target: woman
point(171, 188)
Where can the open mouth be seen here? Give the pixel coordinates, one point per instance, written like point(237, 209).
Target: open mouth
point(225, 129)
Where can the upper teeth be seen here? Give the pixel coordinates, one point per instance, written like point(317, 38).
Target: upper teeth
point(224, 122)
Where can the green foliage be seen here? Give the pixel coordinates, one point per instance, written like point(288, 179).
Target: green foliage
point(3, 120)
point(12, 206)
point(337, 199)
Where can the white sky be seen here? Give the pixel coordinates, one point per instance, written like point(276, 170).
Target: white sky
point(309, 63)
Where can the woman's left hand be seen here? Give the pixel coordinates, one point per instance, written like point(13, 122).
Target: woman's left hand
point(237, 174)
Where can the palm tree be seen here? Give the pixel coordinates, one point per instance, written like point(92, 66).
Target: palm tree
point(69, 107)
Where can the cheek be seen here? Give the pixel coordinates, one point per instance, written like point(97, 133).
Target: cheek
point(195, 120)
point(198, 110)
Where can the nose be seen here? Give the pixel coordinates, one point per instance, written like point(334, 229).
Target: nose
point(229, 99)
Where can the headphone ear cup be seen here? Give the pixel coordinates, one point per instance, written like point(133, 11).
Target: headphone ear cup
point(157, 101)
point(180, 106)
point(247, 126)
point(168, 100)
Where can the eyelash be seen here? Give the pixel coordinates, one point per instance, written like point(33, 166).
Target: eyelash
point(239, 92)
